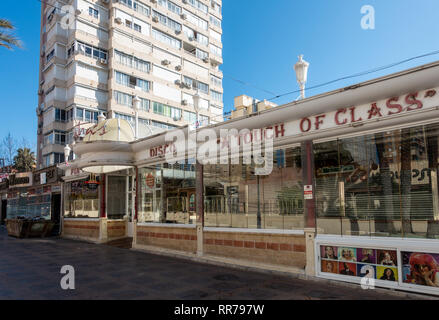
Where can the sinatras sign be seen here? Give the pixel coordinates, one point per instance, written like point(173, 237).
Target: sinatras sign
point(20, 180)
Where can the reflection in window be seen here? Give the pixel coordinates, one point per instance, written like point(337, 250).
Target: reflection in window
point(383, 184)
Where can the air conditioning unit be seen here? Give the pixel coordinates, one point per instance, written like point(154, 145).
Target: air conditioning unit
point(153, 1)
point(178, 82)
point(184, 102)
point(212, 4)
point(183, 16)
point(184, 1)
point(155, 19)
point(177, 31)
point(187, 86)
point(206, 60)
point(178, 68)
point(106, 1)
point(191, 38)
point(103, 61)
point(78, 12)
point(118, 20)
point(40, 92)
point(166, 62)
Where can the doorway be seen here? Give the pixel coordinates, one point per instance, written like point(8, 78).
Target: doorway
point(3, 211)
point(56, 214)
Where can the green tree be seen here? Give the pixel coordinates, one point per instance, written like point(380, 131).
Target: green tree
point(24, 161)
point(7, 38)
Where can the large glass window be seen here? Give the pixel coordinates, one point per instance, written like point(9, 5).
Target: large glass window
point(383, 184)
point(237, 198)
point(81, 200)
point(167, 194)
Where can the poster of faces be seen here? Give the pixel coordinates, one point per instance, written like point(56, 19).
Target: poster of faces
point(420, 268)
point(360, 262)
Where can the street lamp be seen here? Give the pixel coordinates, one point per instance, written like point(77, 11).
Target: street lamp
point(136, 106)
point(301, 68)
point(197, 98)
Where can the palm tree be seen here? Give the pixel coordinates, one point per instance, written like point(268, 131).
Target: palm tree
point(8, 39)
point(24, 161)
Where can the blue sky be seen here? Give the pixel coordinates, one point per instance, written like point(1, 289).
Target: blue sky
point(262, 40)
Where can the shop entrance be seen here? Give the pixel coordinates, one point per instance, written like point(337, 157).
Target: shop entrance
point(3, 211)
point(56, 214)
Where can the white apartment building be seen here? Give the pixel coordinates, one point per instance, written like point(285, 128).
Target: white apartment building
point(161, 51)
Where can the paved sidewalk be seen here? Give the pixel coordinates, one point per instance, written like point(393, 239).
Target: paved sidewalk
point(30, 269)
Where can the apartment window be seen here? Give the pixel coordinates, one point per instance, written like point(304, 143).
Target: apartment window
point(201, 54)
point(123, 98)
point(201, 23)
point(130, 81)
point(58, 157)
point(91, 51)
point(144, 104)
point(167, 111)
point(140, 8)
point(170, 6)
point(216, 7)
point(167, 39)
point(162, 125)
point(174, 25)
point(218, 82)
point(60, 115)
point(198, 5)
point(203, 87)
point(189, 117)
point(60, 138)
point(48, 139)
point(132, 62)
point(93, 12)
point(79, 113)
point(215, 21)
point(130, 119)
point(216, 50)
point(137, 28)
point(88, 116)
point(217, 96)
point(137, 6)
point(50, 55)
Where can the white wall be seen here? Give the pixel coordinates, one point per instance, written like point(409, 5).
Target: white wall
point(196, 69)
point(163, 55)
point(89, 29)
point(88, 72)
point(165, 74)
point(84, 5)
point(166, 92)
point(146, 28)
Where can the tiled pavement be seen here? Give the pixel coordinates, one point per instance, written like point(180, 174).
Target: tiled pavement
point(30, 269)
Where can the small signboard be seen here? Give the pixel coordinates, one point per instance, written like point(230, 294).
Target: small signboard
point(308, 192)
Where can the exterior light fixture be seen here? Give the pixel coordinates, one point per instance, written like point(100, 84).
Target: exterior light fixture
point(301, 69)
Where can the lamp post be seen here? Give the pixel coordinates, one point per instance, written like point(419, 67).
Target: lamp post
point(199, 187)
point(136, 104)
point(301, 69)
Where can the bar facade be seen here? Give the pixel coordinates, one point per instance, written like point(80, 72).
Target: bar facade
point(353, 194)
